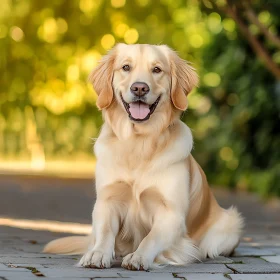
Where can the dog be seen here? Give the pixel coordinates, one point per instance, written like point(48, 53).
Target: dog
point(153, 205)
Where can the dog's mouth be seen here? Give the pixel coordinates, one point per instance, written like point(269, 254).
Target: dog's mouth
point(140, 111)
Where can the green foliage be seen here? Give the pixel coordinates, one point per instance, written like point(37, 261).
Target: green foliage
point(47, 110)
point(242, 149)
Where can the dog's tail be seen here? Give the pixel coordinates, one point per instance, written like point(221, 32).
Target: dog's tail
point(72, 245)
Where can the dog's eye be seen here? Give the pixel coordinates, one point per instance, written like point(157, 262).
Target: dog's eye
point(157, 70)
point(126, 68)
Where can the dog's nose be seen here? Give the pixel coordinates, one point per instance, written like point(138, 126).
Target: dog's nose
point(139, 89)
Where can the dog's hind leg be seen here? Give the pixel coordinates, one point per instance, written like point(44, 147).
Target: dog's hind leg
point(224, 235)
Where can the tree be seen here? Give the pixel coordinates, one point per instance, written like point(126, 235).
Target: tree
point(247, 100)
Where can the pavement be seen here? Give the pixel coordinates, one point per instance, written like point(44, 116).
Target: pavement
point(70, 200)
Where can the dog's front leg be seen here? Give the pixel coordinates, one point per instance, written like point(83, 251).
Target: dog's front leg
point(167, 210)
point(105, 222)
point(105, 227)
point(168, 226)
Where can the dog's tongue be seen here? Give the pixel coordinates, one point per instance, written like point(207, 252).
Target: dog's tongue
point(139, 110)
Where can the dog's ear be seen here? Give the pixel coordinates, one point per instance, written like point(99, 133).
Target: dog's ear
point(101, 78)
point(183, 79)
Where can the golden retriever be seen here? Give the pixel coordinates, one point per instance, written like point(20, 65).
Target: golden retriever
point(153, 205)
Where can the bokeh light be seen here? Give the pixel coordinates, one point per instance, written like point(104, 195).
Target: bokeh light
point(118, 3)
point(131, 36)
point(16, 33)
point(212, 79)
point(107, 41)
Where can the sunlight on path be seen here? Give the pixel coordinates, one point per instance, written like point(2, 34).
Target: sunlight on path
point(63, 168)
point(46, 225)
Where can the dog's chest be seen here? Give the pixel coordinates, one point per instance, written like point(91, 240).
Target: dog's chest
point(126, 160)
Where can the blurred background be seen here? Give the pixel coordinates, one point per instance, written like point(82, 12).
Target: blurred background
point(48, 117)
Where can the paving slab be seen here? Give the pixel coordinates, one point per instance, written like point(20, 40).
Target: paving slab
point(198, 276)
point(148, 275)
point(274, 249)
point(79, 272)
point(218, 260)
point(4, 267)
point(259, 268)
point(249, 260)
point(253, 277)
point(252, 251)
point(192, 268)
point(23, 260)
point(19, 254)
point(19, 275)
point(24, 266)
point(272, 259)
point(68, 278)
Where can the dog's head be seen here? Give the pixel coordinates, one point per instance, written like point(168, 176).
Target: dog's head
point(144, 80)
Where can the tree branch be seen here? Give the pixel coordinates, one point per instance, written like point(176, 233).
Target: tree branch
point(255, 44)
point(250, 14)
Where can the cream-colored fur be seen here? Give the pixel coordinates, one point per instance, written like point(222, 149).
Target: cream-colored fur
point(153, 201)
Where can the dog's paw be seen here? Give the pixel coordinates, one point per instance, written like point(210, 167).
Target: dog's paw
point(135, 262)
point(95, 259)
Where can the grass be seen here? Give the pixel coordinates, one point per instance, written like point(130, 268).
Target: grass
point(34, 270)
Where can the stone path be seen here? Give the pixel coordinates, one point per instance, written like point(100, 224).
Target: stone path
point(256, 258)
